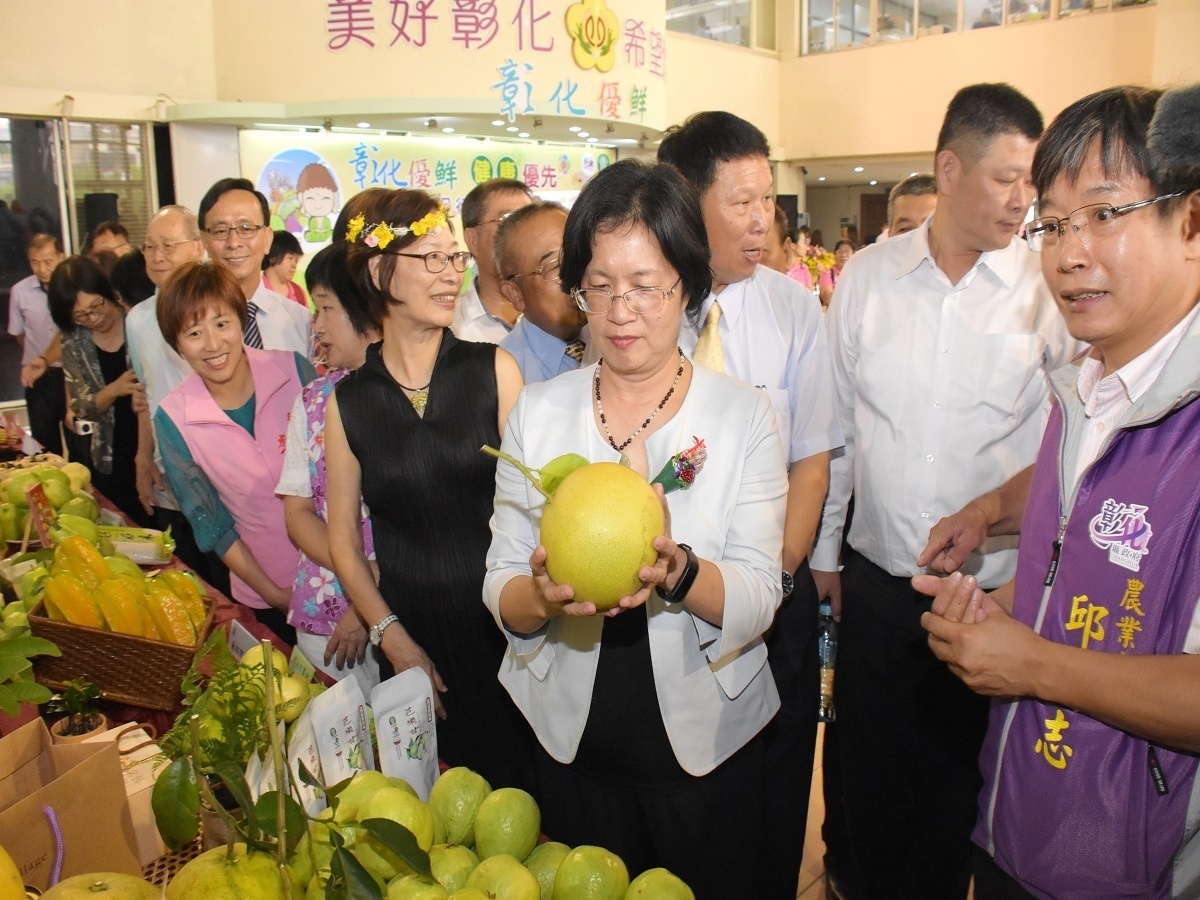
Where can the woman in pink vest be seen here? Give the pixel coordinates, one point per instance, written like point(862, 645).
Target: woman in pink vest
point(222, 436)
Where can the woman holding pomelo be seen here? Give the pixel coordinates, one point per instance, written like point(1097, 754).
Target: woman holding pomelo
point(402, 433)
point(662, 696)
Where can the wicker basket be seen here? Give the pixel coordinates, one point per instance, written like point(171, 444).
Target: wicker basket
point(127, 669)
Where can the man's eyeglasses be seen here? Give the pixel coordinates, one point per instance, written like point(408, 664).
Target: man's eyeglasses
point(83, 316)
point(244, 230)
point(640, 301)
point(436, 261)
point(1096, 220)
point(497, 220)
point(166, 248)
point(548, 270)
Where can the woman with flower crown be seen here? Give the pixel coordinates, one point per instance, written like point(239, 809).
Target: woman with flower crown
point(403, 434)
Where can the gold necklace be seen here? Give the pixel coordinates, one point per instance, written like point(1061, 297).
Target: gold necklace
point(650, 418)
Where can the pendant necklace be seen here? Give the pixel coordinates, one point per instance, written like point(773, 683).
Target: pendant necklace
point(650, 418)
point(419, 398)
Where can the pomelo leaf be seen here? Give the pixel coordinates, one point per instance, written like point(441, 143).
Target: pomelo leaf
point(28, 646)
point(267, 811)
point(400, 841)
point(11, 665)
point(176, 803)
point(559, 468)
point(348, 880)
point(308, 778)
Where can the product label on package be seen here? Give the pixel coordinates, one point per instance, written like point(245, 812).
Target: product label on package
point(406, 729)
point(343, 732)
point(303, 749)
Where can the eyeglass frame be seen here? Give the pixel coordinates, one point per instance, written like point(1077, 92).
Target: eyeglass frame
point(1117, 212)
point(499, 218)
point(466, 255)
point(244, 229)
point(541, 272)
point(582, 304)
point(91, 313)
point(166, 247)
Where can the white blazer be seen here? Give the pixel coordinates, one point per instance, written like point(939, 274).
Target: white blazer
point(715, 689)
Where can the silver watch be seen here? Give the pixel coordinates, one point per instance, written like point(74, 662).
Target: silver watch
point(377, 630)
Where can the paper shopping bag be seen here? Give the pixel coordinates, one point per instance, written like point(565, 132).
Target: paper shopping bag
point(76, 787)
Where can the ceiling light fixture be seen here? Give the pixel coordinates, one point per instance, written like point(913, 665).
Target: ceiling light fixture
point(523, 134)
point(858, 168)
point(820, 178)
point(364, 124)
point(497, 122)
point(874, 182)
point(448, 130)
point(512, 128)
point(574, 128)
point(583, 134)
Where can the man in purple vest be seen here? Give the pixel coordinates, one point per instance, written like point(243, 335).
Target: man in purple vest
point(1091, 653)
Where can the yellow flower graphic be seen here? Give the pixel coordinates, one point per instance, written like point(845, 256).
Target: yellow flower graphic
point(594, 32)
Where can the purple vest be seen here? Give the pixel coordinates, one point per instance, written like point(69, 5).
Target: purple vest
point(1074, 808)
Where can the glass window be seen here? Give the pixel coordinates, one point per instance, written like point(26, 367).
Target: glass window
point(853, 22)
point(1027, 10)
point(112, 158)
point(982, 13)
point(728, 22)
point(29, 204)
point(895, 22)
point(938, 17)
point(820, 26)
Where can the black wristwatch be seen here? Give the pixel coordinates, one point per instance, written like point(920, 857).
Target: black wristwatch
point(789, 584)
point(684, 584)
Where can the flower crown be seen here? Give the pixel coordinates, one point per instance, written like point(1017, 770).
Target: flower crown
point(380, 234)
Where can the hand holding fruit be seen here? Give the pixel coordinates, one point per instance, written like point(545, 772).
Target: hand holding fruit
point(668, 565)
point(404, 653)
point(348, 643)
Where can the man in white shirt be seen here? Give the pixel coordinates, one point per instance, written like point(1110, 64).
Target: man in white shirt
point(762, 327)
point(483, 313)
point(41, 354)
point(911, 201)
point(546, 339)
point(941, 340)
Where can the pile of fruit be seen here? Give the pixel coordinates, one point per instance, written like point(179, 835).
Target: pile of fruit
point(65, 486)
point(112, 593)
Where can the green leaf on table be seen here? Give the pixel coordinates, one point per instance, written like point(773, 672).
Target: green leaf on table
point(28, 646)
point(348, 880)
point(13, 665)
point(234, 779)
point(176, 803)
point(267, 811)
point(400, 841)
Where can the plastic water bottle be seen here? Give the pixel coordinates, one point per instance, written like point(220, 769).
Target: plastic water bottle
point(827, 641)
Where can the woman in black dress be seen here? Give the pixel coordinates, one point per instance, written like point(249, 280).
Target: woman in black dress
point(91, 317)
point(404, 432)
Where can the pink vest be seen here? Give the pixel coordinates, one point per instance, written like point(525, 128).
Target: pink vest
point(244, 470)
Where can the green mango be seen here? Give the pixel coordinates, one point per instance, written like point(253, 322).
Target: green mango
point(84, 507)
point(15, 487)
point(67, 525)
point(11, 521)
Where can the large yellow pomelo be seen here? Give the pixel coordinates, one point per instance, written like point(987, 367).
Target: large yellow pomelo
point(12, 887)
point(214, 875)
point(598, 530)
point(95, 885)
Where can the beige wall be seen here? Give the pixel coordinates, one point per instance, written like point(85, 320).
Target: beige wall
point(113, 58)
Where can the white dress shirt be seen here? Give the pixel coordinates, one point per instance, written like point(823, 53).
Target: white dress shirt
point(472, 321)
point(1107, 401)
point(715, 689)
point(773, 337)
point(943, 395)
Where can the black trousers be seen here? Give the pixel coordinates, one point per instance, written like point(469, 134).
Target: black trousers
point(46, 407)
point(992, 882)
point(789, 740)
point(707, 830)
point(909, 739)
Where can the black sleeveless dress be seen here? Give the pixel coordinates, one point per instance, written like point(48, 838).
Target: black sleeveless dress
point(430, 492)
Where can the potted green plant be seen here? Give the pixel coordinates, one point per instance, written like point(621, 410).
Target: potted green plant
point(81, 717)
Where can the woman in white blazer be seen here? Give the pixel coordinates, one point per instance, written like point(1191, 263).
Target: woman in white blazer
point(647, 716)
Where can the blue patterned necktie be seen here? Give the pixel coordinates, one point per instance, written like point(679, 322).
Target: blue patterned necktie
point(252, 338)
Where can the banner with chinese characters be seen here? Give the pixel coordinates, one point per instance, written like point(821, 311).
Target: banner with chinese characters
point(598, 59)
point(308, 177)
